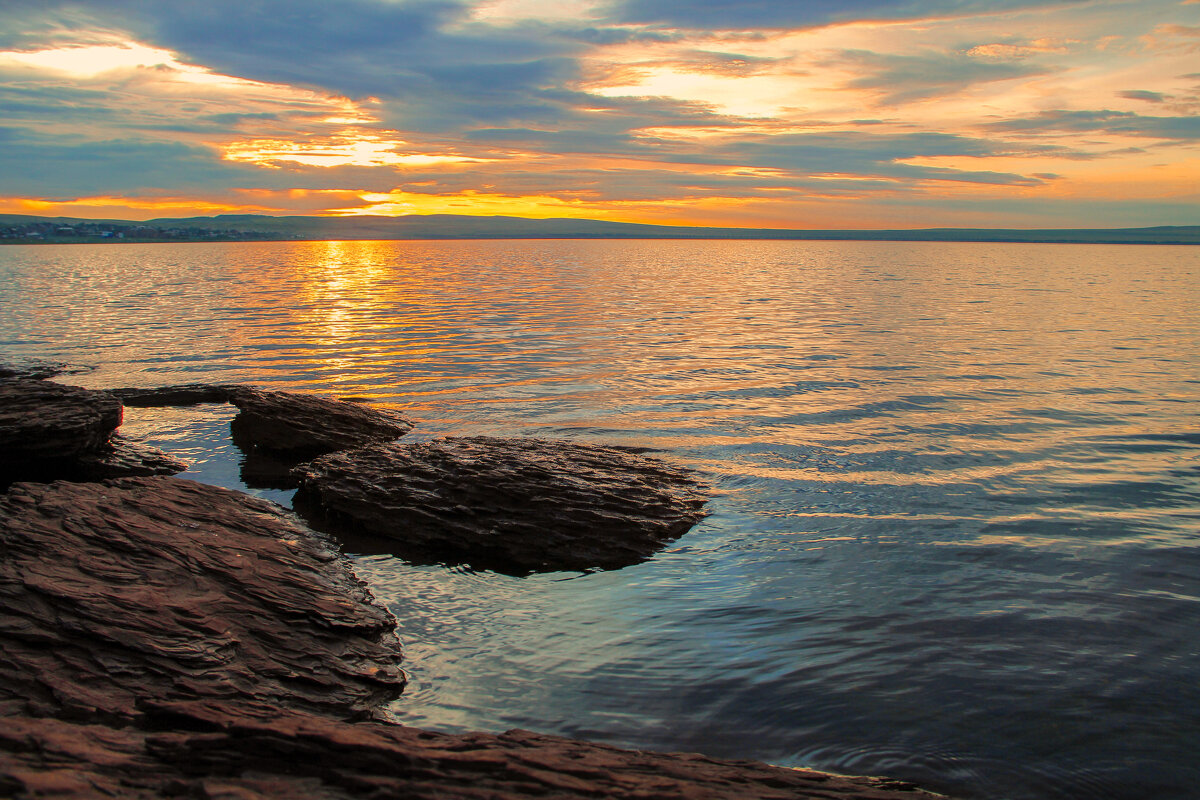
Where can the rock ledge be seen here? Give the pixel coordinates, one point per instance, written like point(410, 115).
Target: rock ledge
point(512, 505)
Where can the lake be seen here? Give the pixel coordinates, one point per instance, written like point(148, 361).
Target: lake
point(955, 527)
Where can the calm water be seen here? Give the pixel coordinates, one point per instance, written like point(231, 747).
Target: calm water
point(956, 530)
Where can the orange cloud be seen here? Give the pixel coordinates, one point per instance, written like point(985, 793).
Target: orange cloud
point(124, 207)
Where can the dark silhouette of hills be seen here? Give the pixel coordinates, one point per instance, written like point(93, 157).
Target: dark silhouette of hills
point(450, 226)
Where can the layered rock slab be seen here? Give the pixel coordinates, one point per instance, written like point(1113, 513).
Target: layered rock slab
point(287, 425)
point(278, 430)
point(511, 505)
point(208, 750)
point(115, 593)
point(297, 427)
point(36, 369)
point(46, 428)
point(43, 421)
point(187, 394)
point(160, 638)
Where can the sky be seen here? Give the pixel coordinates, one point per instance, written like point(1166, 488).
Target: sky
point(748, 113)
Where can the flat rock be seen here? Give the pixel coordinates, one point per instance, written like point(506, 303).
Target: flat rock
point(296, 427)
point(120, 592)
point(512, 505)
point(189, 394)
point(251, 752)
point(37, 369)
point(278, 430)
point(46, 427)
point(124, 458)
point(161, 638)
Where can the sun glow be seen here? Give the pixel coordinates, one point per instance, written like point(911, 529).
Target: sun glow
point(339, 151)
point(124, 207)
point(92, 60)
point(400, 203)
point(89, 60)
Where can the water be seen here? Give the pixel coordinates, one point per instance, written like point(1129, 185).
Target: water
point(955, 519)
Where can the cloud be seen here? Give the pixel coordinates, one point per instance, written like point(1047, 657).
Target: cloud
point(866, 154)
point(1012, 50)
point(1124, 123)
point(900, 79)
point(760, 14)
point(364, 97)
point(428, 57)
point(33, 167)
point(1139, 94)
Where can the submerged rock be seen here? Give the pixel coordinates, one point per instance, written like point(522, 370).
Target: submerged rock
point(46, 428)
point(511, 505)
point(116, 593)
point(37, 369)
point(124, 458)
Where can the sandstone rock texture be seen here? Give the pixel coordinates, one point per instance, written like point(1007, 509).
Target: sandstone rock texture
point(40, 420)
point(278, 430)
point(49, 431)
point(189, 394)
point(124, 458)
point(119, 592)
point(164, 638)
point(512, 505)
point(298, 427)
point(45, 428)
point(36, 369)
point(212, 750)
point(289, 426)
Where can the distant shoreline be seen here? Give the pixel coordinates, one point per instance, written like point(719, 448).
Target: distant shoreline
point(19, 229)
point(1165, 242)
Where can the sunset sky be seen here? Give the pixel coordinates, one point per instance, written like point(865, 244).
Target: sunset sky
point(820, 114)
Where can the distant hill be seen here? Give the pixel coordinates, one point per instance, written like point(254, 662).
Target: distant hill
point(449, 226)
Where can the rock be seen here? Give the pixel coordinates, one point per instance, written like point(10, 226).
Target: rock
point(295, 427)
point(116, 593)
point(183, 395)
point(224, 750)
point(278, 430)
point(45, 428)
point(161, 638)
point(291, 426)
point(512, 505)
point(124, 458)
point(37, 370)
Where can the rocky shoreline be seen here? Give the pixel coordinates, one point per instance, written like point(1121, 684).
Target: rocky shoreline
point(160, 637)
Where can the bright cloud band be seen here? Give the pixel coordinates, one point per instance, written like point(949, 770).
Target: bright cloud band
point(870, 114)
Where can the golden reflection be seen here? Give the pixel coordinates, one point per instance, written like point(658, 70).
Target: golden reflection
point(352, 297)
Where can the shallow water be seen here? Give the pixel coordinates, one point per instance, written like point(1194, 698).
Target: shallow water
point(955, 524)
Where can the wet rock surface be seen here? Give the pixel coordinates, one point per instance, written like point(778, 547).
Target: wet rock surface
point(511, 505)
point(297, 427)
point(124, 458)
point(164, 638)
point(45, 428)
point(278, 430)
point(212, 750)
point(119, 592)
point(189, 394)
point(36, 369)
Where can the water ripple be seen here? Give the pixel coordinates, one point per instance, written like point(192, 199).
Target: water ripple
point(955, 523)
